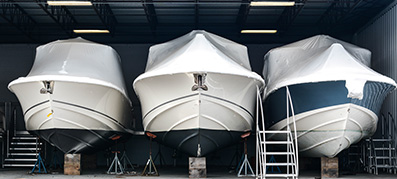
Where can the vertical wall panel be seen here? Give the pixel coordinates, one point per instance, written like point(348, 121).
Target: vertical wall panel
point(380, 36)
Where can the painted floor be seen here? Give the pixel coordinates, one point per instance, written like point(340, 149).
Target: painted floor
point(165, 172)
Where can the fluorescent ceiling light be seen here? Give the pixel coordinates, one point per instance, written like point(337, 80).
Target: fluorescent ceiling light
point(69, 3)
point(258, 31)
point(272, 3)
point(90, 31)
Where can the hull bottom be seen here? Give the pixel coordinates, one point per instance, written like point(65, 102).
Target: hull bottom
point(78, 140)
point(194, 141)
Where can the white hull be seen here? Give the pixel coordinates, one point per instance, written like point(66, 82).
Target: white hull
point(72, 105)
point(329, 130)
point(168, 103)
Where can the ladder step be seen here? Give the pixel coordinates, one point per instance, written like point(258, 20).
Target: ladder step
point(279, 153)
point(24, 138)
point(281, 175)
point(25, 143)
point(21, 159)
point(275, 132)
point(384, 166)
point(280, 164)
point(29, 154)
point(23, 133)
point(381, 140)
point(18, 165)
point(384, 148)
point(20, 148)
point(277, 142)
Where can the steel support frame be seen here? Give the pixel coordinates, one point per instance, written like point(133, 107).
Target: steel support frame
point(60, 14)
point(18, 17)
point(150, 14)
point(105, 14)
point(289, 15)
point(337, 11)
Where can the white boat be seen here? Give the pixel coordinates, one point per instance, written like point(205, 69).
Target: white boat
point(74, 96)
point(198, 92)
point(335, 95)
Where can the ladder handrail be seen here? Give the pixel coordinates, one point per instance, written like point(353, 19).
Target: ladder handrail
point(295, 130)
point(292, 149)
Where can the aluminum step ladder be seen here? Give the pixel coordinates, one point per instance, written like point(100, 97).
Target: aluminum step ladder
point(382, 152)
point(266, 155)
point(23, 150)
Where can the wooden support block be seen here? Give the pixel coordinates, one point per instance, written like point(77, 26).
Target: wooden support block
point(329, 167)
point(72, 164)
point(197, 167)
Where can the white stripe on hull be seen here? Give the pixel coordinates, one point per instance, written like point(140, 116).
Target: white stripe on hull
point(73, 106)
point(168, 102)
point(327, 131)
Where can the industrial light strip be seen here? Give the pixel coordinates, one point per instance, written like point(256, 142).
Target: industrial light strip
point(258, 31)
point(272, 3)
point(69, 3)
point(90, 31)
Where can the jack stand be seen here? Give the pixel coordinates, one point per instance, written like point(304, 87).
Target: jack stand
point(245, 163)
point(161, 157)
point(150, 162)
point(116, 162)
point(126, 161)
point(38, 164)
point(55, 160)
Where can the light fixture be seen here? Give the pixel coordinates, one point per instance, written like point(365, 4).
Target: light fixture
point(272, 3)
point(258, 31)
point(90, 31)
point(69, 3)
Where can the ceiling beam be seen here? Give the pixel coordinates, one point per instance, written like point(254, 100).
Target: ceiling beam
point(61, 15)
point(196, 14)
point(150, 14)
point(289, 15)
point(105, 14)
point(17, 16)
point(336, 12)
point(243, 13)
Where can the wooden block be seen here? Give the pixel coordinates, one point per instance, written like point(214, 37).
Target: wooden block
point(197, 167)
point(329, 167)
point(72, 164)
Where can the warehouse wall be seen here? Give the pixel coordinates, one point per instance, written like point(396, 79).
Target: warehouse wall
point(17, 59)
point(380, 37)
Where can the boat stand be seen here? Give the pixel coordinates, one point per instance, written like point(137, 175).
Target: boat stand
point(55, 160)
point(118, 168)
point(150, 164)
point(126, 161)
point(161, 157)
point(38, 164)
point(244, 160)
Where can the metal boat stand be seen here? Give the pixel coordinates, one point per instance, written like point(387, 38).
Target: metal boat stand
point(150, 164)
point(245, 165)
point(118, 168)
point(125, 160)
point(39, 163)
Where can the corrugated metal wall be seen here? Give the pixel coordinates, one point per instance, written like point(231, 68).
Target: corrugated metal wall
point(380, 36)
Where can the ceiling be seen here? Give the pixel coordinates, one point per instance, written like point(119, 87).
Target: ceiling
point(155, 21)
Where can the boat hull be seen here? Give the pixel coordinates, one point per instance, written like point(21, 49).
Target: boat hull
point(327, 121)
point(75, 117)
point(185, 119)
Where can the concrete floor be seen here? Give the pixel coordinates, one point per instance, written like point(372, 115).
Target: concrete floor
point(165, 172)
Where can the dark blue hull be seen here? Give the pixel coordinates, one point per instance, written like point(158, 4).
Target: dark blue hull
point(312, 96)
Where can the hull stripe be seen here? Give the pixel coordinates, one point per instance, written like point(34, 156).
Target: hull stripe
point(38, 104)
point(187, 96)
